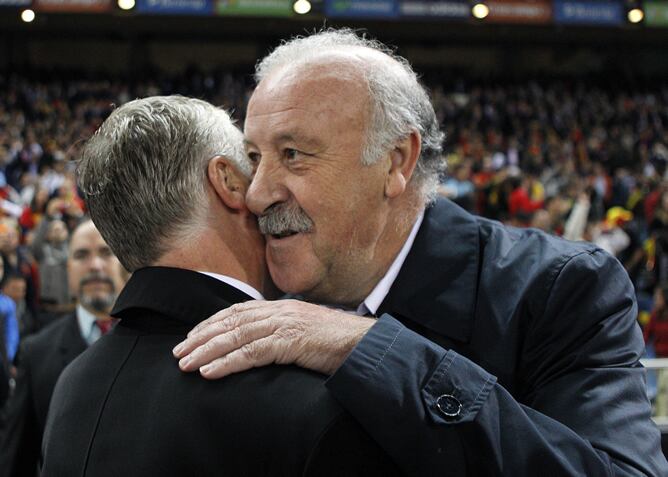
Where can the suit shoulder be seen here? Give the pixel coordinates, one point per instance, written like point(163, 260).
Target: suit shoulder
point(103, 355)
point(47, 337)
point(499, 241)
point(300, 391)
point(306, 406)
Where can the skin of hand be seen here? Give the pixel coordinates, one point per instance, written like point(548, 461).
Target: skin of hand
point(258, 333)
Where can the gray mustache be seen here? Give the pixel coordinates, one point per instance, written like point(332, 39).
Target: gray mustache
point(96, 277)
point(282, 218)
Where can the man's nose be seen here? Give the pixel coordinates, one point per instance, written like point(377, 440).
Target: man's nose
point(267, 187)
point(96, 263)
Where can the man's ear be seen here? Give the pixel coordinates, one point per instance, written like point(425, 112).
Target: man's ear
point(403, 159)
point(229, 183)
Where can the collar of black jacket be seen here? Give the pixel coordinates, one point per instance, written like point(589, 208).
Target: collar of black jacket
point(184, 295)
point(437, 284)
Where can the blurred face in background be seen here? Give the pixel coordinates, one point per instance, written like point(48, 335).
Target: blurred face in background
point(94, 273)
point(15, 288)
point(9, 236)
point(57, 233)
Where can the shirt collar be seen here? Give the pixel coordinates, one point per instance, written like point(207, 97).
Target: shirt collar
point(89, 332)
point(238, 284)
point(378, 294)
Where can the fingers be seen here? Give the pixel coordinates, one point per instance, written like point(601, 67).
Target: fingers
point(252, 355)
point(220, 323)
point(226, 313)
point(240, 337)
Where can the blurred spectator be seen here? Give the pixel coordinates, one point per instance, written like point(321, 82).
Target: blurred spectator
point(656, 331)
point(9, 342)
point(521, 201)
point(458, 186)
point(32, 214)
point(10, 327)
point(15, 258)
point(610, 234)
point(95, 277)
point(14, 286)
point(50, 249)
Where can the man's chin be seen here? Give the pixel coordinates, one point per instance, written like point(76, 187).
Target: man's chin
point(98, 303)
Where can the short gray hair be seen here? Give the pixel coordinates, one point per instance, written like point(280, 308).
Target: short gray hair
point(399, 103)
point(143, 173)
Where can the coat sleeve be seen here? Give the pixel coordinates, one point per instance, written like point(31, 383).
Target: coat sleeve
point(20, 443)
point(581, 408)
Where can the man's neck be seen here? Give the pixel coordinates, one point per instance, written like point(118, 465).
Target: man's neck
point(382, 288)
point(207, 253)
point(353, 286)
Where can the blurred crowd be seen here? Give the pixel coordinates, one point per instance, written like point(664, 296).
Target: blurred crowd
point(582, 162)
point(575, 159)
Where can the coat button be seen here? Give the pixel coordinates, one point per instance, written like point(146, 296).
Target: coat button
point(449, 405)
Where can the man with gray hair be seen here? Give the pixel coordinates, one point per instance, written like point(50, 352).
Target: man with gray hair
point(497, 351)
point(164, 179)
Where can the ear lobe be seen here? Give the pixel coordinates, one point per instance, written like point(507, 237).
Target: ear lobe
point(403, 159)
point(228, 182)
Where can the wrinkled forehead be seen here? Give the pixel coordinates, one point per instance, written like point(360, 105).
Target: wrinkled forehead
point(330, 91)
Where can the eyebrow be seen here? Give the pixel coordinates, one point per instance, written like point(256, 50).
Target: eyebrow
point(290, 137)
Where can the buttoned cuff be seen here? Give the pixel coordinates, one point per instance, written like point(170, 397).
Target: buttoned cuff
point(456, 390)
point(391, 360)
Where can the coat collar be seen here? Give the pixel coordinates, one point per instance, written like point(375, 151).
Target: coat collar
point(437, 285)
point(184, 295)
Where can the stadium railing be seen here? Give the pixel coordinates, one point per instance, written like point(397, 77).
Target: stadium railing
point(657, 383)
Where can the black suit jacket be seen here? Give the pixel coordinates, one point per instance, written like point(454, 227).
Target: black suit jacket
point(41, 359)
point(125, 408)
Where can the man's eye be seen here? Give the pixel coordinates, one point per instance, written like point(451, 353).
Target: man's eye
point(106, 253)
point(291, 154)
point(254, 157)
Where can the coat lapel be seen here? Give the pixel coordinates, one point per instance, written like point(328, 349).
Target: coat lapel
point(437, 285)
point(71, 343)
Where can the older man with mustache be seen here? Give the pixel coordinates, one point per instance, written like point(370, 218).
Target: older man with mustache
point(498, 351)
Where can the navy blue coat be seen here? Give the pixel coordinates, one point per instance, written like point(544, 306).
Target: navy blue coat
point(504, 351)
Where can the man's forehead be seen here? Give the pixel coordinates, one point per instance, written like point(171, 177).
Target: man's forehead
point(86, 237)
point(300, 79)
point(292, 103)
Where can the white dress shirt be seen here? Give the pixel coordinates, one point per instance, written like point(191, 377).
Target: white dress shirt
point(238, 284)
point(89, 331)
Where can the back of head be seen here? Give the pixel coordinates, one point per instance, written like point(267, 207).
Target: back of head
point(143, 173)
point(399, 103)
